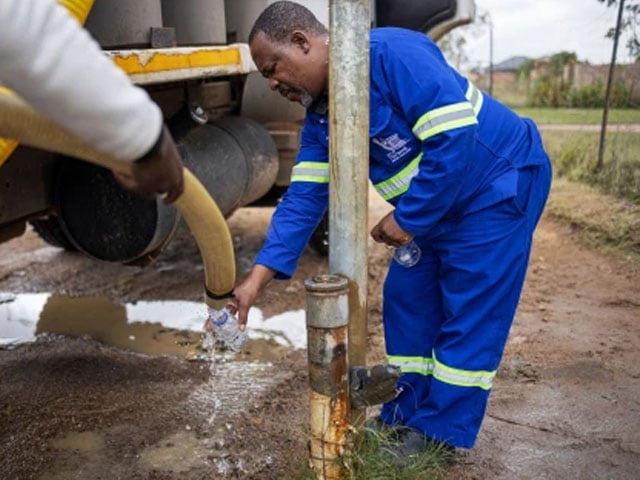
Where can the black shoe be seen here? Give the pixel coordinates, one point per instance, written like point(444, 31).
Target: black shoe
point(411, 444)
point(382, 432)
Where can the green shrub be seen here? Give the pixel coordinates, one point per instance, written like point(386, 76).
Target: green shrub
point(551, 92)
point(588, 96)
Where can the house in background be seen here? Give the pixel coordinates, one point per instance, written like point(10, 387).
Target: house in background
point(508, 87)
point(507, 71)
point(504, 82)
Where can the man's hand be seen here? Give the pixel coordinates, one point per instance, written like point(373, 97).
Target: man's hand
point(246, 293)
point(388, 231)
point(160, 172)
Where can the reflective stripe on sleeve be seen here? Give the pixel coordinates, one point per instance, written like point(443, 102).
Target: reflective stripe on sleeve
point(453, 376)
point(314, 172)
point(475, 97)
point(443, 119)
point(399, 183)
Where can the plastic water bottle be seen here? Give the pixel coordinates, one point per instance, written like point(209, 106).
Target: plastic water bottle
point(227, 330)
point(408, 254)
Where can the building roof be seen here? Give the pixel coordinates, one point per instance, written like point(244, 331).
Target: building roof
point(510, 65)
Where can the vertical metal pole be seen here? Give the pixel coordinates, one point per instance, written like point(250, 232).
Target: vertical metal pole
point(607, 96)
point(490, 56)
point(349, 160)
point(327, 349)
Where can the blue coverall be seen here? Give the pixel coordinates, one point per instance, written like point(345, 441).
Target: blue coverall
point(467, 177)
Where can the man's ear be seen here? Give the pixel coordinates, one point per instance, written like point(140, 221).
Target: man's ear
point(300, 40)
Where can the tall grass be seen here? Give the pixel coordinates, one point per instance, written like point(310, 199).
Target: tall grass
point(574, 155)
point(579, 115)
point(604, 205)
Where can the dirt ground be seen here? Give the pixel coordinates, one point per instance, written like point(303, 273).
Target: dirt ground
point(566, 402)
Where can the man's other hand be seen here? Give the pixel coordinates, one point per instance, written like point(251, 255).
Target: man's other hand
point(389, 232)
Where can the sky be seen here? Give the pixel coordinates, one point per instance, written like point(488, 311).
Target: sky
point(536, 28)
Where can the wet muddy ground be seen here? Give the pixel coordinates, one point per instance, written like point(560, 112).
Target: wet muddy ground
point(121, 389)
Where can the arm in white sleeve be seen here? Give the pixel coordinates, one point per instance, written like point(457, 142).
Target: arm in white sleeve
point(48, 59)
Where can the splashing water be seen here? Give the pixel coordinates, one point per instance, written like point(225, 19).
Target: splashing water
point(209, 348)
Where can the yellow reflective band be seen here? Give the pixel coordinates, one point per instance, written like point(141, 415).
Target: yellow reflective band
point(420, 365)
point(399, 183)
point(160, 60)
point(314, 172)
point(475, 97)
point(443, 119)
point(463, 378)
point(453, 376)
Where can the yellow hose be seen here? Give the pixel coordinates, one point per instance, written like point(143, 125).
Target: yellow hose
point(207, 224)
point(79, 9)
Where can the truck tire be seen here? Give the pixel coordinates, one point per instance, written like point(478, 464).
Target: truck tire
point(50, 230)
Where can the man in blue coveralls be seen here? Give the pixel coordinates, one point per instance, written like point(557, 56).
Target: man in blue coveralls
point(468, 179)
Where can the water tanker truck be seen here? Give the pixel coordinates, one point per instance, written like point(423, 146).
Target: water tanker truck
point(236, 136)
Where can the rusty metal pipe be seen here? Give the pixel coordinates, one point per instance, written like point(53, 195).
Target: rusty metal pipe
point(327, 334)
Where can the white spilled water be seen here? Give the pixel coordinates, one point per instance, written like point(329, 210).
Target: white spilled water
point(25, 316)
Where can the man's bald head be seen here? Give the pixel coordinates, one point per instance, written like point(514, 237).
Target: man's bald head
point(280, 19)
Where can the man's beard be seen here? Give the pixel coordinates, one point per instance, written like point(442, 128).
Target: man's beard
point(305, 97)
point(306, 100)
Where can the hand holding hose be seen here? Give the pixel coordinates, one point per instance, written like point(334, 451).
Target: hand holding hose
point(159, 172)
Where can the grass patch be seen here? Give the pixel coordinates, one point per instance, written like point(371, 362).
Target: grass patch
point(605, 205)
point(603, 220)
point(574, 156)
point(372, 460)
point(579, 116)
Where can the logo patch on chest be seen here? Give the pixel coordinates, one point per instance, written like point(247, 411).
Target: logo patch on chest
point(395, 146)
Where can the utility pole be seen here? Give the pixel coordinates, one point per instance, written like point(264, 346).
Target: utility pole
point(490, 55)
point(607, 97)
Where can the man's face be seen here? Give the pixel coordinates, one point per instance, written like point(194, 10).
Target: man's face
point(296, 68)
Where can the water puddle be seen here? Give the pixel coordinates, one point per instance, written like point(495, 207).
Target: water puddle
point(149, 327)
point(160, 328)
point(178, 453)
point(84, 442)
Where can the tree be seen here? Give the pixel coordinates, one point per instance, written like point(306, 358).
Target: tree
point(453, 46)
point(630, 25)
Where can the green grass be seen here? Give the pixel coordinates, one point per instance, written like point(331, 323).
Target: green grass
point(605, 205)
point(372, 460)
point(578, 116)
point(574, 156)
